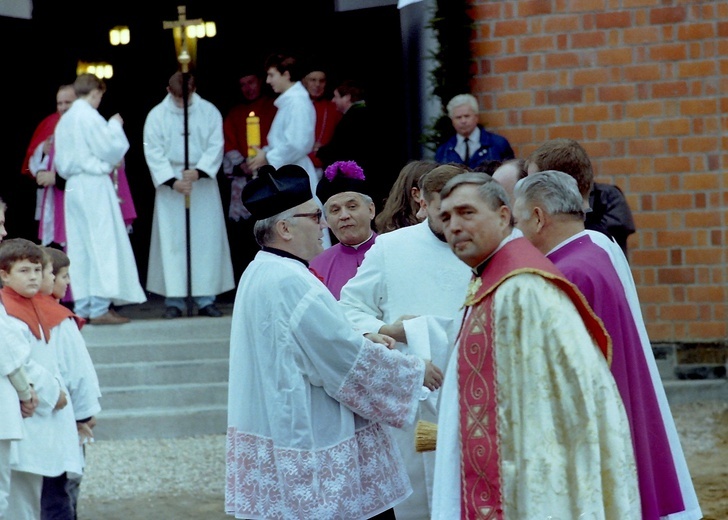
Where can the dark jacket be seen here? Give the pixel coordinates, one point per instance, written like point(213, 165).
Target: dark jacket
point(493, 147)
point(610, 213)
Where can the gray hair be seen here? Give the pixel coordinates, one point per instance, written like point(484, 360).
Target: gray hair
point(554, 191)
point(489, 190)
point(264, 229)
point(462, 99)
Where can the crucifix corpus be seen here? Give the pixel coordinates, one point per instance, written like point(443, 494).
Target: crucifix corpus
point(185, 53)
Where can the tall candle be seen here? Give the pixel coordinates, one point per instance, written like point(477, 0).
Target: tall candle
point(253, 133)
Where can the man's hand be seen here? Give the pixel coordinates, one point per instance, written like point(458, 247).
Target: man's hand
point(85, 431)
point(27, 408)
point(117, 117)
point(256, 162)
point(191, 175)
point(45, 178)
point(62, 401)
point(433, 376)
point(182, 186)
point(382, 339)
point(396, 329)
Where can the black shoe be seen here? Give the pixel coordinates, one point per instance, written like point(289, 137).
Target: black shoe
point(171, 313)
point(210, 310)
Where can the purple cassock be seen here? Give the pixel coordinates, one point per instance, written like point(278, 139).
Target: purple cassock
point(338, 264)
point(588, 267)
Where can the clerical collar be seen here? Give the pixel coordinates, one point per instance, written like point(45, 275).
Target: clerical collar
point(515, 233)
point(357, 246)
point(284, 254)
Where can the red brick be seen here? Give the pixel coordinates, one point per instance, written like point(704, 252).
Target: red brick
point(562, 60)
point(672, 127)
point(591, 77)
point(696, 31)
point(705, 256)
point(568, 132)
point(628, 4)
point(707, 331)
point(675, 275)
point(679, 312)
point(614, 57)
point(699, 144)
point(716, 237)
point(514, 64)
point(587, 40)
point(670, 89)
point(510, 28)
point(664, 201)
point(667, 15)
point(643, 109)
point(641, 35)
point(590, 112)
point(676, 257)
point(513, 100)
point(611, 20)
point(701, 182)
point(647, 202)
point(487, 11)
point(614, 93)
point(534, 7)
point(695, 107)
point(617, 130)
point(562, 24)
point(616, 165)
point(668, 52)
point(531, 44)
point(723, 29)
point(702, 219)
point(650, 220)
point(587, 5)
point(646, 146)
point(642, 72)
point(539, 116)
point(641, 257)
point(696, 69)
point(654, 294)
point(562, 96)
point(544, 79)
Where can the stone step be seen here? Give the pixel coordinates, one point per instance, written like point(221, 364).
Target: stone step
point(161, 422)
point(160, 395)
point(168, 378)
point(161, 378)
point(162, 372)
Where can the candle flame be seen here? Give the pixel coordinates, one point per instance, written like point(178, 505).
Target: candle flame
point(252, 114)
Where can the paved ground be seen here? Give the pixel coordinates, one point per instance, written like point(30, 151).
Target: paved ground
point(182, 479)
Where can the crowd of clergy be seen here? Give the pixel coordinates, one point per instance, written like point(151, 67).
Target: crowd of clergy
point(481, 295)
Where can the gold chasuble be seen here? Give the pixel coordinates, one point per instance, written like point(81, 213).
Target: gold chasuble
point(485, 491)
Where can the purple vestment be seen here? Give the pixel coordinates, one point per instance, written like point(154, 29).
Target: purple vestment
point(587, 266)
point(338, 264)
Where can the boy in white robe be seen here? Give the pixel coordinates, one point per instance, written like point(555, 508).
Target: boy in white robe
point(60, 494)
point(49, 446)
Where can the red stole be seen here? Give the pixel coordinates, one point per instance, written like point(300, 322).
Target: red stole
point(42, 312)
point(42, 132)
point(481, 491)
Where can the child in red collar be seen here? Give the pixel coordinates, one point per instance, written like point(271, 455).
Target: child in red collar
point(60, 494)
point(50, 434)
point(14, 386)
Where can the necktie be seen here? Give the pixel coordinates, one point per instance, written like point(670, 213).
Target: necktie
point(466, 160)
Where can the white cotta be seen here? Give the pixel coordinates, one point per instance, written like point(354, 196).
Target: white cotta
point(14, 353)
point(306, 398)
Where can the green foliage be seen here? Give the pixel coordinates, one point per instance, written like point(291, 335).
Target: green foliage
point(452, 73)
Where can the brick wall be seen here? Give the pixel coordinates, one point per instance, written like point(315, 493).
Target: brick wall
point(643, 86)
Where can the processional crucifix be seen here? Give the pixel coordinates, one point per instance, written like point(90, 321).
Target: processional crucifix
point(182, 46)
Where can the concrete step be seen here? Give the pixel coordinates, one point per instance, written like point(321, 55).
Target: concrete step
point(161, 378)
point(168, 378)
point(161, 422)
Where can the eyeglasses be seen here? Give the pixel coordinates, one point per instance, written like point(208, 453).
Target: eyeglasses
point(316, 217)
